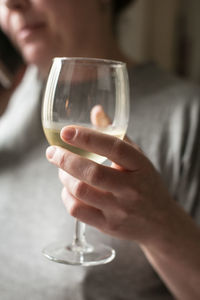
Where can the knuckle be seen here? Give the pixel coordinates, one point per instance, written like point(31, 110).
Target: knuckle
point(114, 224)
point(130, 187)
point(130, 191)
point(84, 137)
point(79, 189)
point(62, 160)
point(74, 209)
point(94, 174)
point(70, 162)
point(117, 148)
point(87, 138)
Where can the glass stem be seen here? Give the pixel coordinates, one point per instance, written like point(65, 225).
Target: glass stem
point(79, 241)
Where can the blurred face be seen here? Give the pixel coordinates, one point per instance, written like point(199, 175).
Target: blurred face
point(42, 29)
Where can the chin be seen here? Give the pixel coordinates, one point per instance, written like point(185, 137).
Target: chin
point(38, 56)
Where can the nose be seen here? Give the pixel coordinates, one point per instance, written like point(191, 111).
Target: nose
point(14, 4)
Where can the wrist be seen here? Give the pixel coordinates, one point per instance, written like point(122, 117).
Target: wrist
point(176, 228)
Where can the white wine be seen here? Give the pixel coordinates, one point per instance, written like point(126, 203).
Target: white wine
point(53, 137)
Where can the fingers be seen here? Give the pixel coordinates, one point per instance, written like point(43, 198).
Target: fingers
point(87, 194)
point(84, 213)
point(124, 154)
point(98, 117)
point(92, 207)
point(86, 170)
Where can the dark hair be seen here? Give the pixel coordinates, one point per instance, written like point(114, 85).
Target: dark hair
point(10, 61)
point(119, 5)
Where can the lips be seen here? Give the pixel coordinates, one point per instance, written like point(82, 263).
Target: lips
point(29, 30)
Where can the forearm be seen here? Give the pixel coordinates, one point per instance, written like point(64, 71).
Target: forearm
point(176, 256)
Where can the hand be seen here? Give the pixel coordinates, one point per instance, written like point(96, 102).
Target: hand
point(127, 200)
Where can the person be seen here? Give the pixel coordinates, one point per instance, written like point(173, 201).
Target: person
point(146, 204)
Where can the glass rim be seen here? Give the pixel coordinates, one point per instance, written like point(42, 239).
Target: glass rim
point(87, 60)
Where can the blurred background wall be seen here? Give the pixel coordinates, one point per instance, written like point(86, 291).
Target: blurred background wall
point(164, 31)
point(167, 32)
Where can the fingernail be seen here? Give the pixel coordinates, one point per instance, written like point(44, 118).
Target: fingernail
point(68, 133)
point(50, 152)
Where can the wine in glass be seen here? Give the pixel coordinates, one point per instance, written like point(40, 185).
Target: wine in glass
point(76, 89)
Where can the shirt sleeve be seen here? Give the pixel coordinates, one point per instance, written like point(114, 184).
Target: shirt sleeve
point(184, 155)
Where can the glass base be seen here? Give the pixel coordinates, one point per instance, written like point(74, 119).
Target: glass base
point(71, 255)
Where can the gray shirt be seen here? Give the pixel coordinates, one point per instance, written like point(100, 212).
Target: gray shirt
point(165, 122)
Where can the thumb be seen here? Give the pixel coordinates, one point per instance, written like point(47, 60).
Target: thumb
point(100, 119)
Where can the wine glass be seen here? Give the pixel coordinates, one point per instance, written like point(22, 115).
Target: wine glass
point(75, 89)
